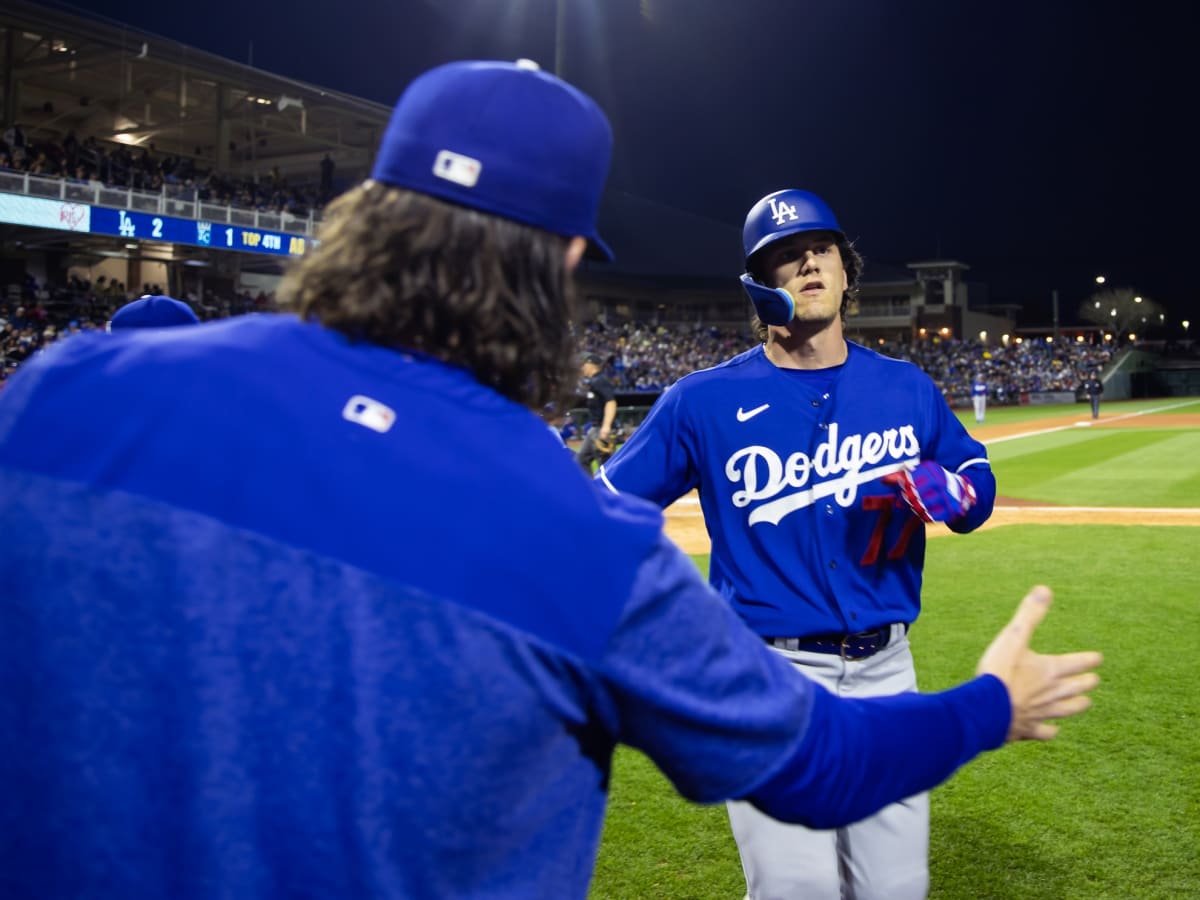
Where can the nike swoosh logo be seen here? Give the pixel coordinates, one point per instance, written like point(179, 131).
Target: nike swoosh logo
point(747, 415)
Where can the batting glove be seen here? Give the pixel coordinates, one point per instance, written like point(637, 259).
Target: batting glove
point(933, 493)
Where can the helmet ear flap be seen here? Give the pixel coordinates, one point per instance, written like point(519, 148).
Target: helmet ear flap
point(774, 306)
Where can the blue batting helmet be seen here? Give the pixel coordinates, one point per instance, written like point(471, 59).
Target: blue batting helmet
point(773, 217)
point(786, 212)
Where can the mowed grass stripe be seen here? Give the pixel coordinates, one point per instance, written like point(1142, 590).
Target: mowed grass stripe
point(1135, 467)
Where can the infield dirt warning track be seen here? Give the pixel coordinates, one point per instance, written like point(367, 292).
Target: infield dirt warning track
point(685, 524)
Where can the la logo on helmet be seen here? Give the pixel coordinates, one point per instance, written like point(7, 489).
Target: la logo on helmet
point(782, 211)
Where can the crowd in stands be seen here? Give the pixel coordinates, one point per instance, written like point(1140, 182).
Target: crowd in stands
point(1008, 370)
point(647, 358)
point(32, 317)
point(639, 358)
point(90, 161)
point(651, 358)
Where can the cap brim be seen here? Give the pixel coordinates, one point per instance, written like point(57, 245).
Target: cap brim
point(598, 251)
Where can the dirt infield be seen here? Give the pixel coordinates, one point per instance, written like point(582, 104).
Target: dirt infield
point(685, 524)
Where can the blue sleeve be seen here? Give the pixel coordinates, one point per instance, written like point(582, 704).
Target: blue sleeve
point(655, 462)
point(859, 756)
point(725, 717)
point(984, 483)
point(955, 450)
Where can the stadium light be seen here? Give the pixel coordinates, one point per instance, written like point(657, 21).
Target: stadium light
point(1186, 323)
point(1100, 279)
point(1137, 299)
point(1097, 304)
point(1049, 340)
point(1132, 336)
point(983, 337)
point(1004, 339)
point(1079, 338)
point(1114, 312)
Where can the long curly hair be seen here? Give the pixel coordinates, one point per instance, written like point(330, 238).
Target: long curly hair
point(852, 262)
point(405, 270)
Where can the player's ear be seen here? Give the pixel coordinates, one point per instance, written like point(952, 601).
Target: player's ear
point(575, 250)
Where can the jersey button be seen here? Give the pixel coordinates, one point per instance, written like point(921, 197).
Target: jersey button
point(816, 403)
point(833, 564)
point(828, 510)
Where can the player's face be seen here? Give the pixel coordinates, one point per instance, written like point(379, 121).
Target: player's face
point(809, 267)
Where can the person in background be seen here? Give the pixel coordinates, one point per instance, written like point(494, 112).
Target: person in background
point(248, 650)
point(152, 311)
point(979, 392)
point(601, 402)
point(1094, 387)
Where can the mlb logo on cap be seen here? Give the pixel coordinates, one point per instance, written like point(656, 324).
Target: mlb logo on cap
point(506, 139)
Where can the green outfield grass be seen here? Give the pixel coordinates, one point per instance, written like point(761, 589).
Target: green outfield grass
point(1005, 415)
point(1138, 467)
point(1109, 810)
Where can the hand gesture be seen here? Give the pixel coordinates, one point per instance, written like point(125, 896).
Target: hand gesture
point(1041, 688)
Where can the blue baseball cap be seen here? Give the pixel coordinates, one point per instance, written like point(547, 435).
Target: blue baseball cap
point(152, 311)
point(504, 138)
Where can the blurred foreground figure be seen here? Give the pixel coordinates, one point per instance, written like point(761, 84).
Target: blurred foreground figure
point(283, 608)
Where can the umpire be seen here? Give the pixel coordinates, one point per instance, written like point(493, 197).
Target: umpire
point(598, 442)
point(1094, 387)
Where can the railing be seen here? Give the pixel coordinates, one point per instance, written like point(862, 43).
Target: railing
point(168, 201)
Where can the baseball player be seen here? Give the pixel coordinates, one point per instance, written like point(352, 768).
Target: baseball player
point(250, 647)
point(152, 311)
point(601, 399)
point(818, 463)
point(1094, 387)
point(979, 397)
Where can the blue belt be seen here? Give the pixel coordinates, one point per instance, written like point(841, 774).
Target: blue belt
point(862, 645)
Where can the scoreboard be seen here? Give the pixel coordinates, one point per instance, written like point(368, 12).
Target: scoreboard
point(63, 215)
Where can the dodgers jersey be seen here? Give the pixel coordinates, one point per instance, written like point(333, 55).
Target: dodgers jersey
point(272, 627)
point(806, 538)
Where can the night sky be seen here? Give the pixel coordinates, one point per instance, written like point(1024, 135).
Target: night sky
point(1042, 143)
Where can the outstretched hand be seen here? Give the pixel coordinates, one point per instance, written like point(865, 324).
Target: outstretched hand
point(1041, 688)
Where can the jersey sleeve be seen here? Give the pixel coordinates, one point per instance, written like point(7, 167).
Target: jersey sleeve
point(724, 717)
point(954, 449)
point(656, 463)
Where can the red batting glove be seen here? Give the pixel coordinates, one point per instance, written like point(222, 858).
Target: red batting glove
point(933, 493)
